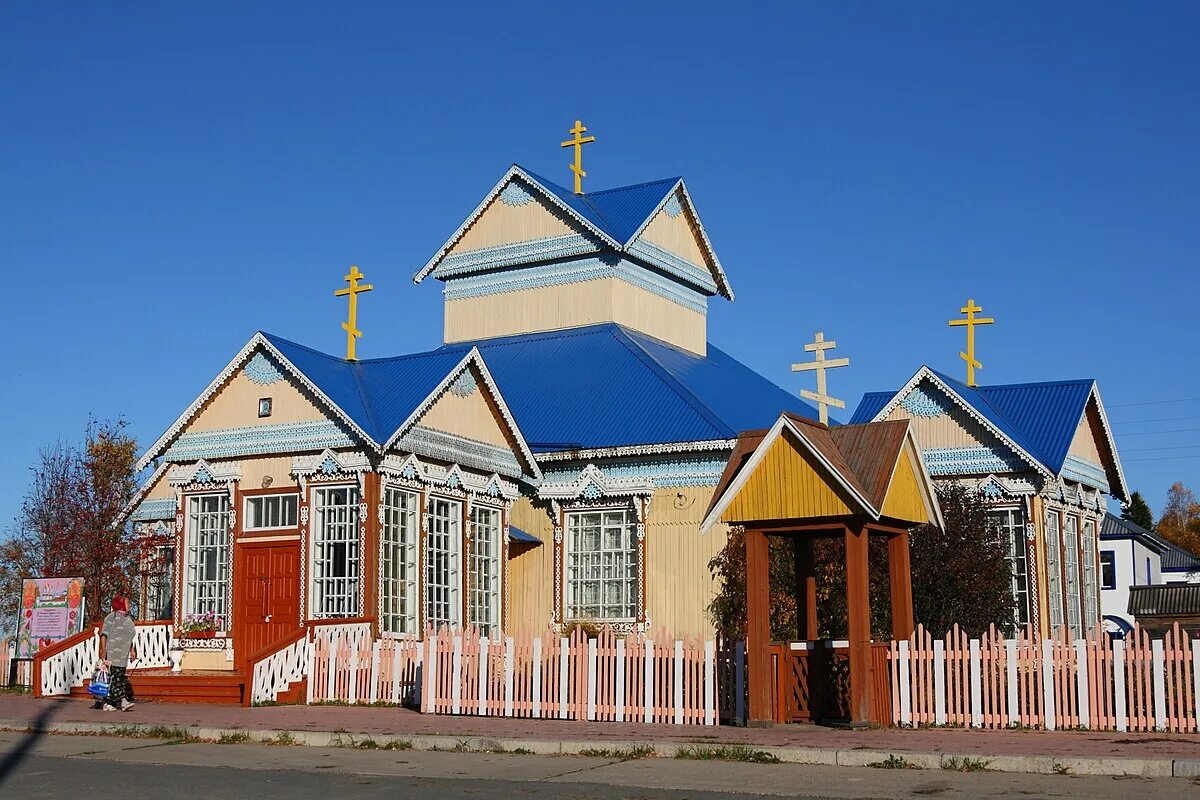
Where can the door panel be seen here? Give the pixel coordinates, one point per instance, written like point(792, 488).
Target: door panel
point(268, 607)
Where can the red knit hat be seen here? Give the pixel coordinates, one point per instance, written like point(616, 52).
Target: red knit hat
point(120, 604)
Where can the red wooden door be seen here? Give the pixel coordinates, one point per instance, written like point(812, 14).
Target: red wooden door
point(267, 603)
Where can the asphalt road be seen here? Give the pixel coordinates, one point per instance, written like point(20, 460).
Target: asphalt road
point(114, 767)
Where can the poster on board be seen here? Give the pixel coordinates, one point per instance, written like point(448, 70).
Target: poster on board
point(51, 610)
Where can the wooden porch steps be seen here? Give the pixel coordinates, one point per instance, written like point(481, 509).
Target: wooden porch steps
point(215, 687)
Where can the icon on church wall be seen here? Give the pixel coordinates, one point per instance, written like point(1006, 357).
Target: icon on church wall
point(264, 407)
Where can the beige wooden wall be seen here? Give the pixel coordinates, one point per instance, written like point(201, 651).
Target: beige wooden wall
point(573, 305)
point(235, 405)
point(678, 585)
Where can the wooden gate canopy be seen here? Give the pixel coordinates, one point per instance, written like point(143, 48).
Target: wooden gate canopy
point(799, 472)
point(804, 479)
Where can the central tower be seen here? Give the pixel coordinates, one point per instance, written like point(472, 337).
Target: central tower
point(535, 256)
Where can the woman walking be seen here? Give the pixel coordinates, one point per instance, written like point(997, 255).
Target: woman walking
point(116, 649)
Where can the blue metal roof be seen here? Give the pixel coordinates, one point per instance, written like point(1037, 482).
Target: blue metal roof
point(606, 386)
point(378, 394)
point(618, 212)
point(515, 534)
point(871, 404)
point(1040, 417)
point(593, 387)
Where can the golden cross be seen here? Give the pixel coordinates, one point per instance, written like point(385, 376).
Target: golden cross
point(578, 142)
point(821, 396)
point(352, 333)
point(970, 309)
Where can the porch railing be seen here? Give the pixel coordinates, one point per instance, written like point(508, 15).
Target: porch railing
point(274, 669)
point(65, 665)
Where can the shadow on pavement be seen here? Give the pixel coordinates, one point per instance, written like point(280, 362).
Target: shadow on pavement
point(37, 730)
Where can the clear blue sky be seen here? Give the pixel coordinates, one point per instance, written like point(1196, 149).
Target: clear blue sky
point(177, 176)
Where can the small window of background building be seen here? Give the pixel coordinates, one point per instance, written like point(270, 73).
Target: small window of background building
point(1108, 570)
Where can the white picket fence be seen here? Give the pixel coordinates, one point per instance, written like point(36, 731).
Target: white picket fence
point(350, 668)
point(70, 667)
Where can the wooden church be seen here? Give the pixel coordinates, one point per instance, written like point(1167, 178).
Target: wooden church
point(551, 463)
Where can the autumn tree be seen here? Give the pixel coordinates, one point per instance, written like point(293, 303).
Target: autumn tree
point(1138, 512)
point(67, 523)
point(1180, 520)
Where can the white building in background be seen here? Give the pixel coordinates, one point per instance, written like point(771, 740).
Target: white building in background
point(1130, 555)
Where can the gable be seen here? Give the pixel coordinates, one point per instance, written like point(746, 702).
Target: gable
point(1086, 442)
point(906, 499)
point(673, 230)
point(465, 410)
point(228, 425)
point(787, 483)
point(516, 214)
point(951, 440)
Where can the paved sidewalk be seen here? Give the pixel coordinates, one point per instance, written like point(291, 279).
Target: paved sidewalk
point(1080, 752)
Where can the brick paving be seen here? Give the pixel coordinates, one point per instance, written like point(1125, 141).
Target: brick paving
point(405, 722)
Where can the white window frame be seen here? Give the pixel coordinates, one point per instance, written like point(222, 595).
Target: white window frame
point(484, 600)
point(1012, 521)
point(207, 531)
point(280, 497)
point(576, 607)
point(1071, 573)
point(443, 553)
point(399, 533)
point(1054, 592)
point(335, 525)
point(1090, 584)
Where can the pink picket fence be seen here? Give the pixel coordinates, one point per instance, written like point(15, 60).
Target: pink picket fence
point(346, 668)
point(606, 678)
point(1098, 682)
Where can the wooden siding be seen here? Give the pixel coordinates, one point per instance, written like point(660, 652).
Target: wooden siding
point(676, 235)
point(502, 224)
point(905, 499)
point(573, 305)
point(472, 416)
point(1086, 445)
point(277, 468)
point(787, 484)
point(955, 429)
point(531, 570)
point(235, 405)
point(679, 586)
point(161, 489)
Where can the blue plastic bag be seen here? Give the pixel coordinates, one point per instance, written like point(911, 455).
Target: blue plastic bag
point(99, 683)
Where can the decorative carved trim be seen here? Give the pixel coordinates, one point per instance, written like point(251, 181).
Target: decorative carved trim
point(699, 470)
point(967, 461)
point(592, 484)
point(204, 476)
point(921, 403)
point(1083, 471)
point(577, 270)
point(515, 194)
point(157, 509)
point(638, 450)
point(459, 449)
point(672, 207)
point(261, 370)
point(288, 437)
point(330, 465)
point(672, 264)
point(515, 254)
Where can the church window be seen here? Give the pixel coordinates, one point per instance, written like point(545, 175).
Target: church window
point(1012, 523)
point(443, 543)
point(207, 564)
point(1091, 610)
point(1108, 570)
point(271, 511)
point(485, 569)
point(1054, 593)
point(335, 553)
point(398, 561)
point(1071, 570)
point(602, 566)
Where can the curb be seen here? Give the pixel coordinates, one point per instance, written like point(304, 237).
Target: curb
point(1040, 764)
